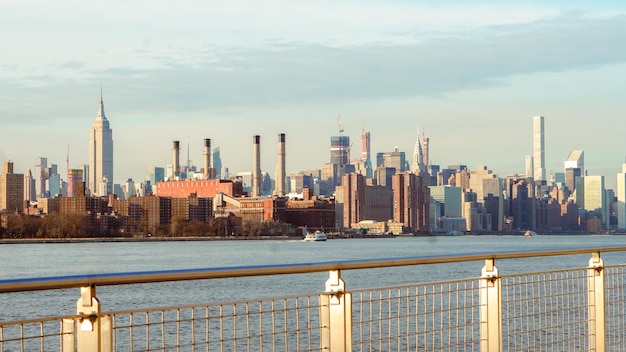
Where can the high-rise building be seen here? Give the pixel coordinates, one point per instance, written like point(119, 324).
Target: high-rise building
point(570, 178)
point(595, 197)
point(41, 175)
point(395, 159)
point(30, 192)
point(11, 190)
point(339, 150)
point(425, 150)
point(216, 164)
point(539, 149)
point(575, 160)
point(484, 182)
point(417, 164)
point(529, 165)
point(410, 201)
point(353, 186)
point(74, 176)
point(101, 153)
point(366, 156)
point(621, 198)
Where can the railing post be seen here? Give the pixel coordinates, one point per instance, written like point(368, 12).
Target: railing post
point(336, 315)
point(94, 333)
point(490, 308)
point(596, 309)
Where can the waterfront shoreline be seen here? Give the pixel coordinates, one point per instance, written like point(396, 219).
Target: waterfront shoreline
point(256, 238)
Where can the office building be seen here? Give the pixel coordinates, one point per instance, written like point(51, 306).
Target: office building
point(539, 162)
point(11, 190)
point(410, 202)
point(621, 198)
point(417, 165)
point(339, 150)
point(30, 191)
point(529, 166)
point(595, 197)
point(575, 160)
point(41, 175)
point(216, 164)
point(485, 183)
point(395, 159)
point(450, 197)
point(74, 176)
point(353, 187)
point(101, 154)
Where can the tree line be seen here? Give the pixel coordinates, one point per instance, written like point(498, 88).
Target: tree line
point(60, 226)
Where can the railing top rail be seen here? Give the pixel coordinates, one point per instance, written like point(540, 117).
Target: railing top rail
point(107, 279)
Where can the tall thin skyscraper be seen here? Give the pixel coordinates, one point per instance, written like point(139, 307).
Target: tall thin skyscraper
point(366, 154)
point(425, 150)
point(539, 149)
point(418, 156)
point(365, 146)
point(621, 198)
point(100, 153)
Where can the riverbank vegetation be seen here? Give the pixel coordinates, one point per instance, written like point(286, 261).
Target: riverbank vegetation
point(80, 226)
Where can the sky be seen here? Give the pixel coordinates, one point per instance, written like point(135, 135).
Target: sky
point(468, 74)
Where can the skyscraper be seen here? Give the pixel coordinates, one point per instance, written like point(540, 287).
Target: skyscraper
point(575, 160)
point(418, 157)
point(595, 197)
point(366, 155)
point(621, 198)
point(101, 153)
point(539, 149)
point(11, 190)
point(41, 175)
point(340, 150)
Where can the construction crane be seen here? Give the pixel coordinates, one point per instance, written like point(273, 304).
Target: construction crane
point(340, 125)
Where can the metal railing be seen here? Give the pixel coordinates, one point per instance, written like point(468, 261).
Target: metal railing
point(563, 310)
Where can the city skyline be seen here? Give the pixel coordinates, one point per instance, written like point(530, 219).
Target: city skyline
point(471, 76)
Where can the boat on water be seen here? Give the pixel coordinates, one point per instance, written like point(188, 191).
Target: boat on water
point(530, 233)
point(317, 236)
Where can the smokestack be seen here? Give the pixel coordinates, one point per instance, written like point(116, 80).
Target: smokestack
point(175, 158)
point(280, 167)
point(207, 158)
point(256, 167)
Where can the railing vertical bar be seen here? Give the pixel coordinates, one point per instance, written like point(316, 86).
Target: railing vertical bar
point(22, 338)
point(193, 328)
point(261, 335)
point(178, 322)
point(298, 326)
point(408, 317)
point(285, 322)
point(163, 329)
point(273, 326)
point(221, 326)
point(235, 327)
point(248, 332)
point(207, 322)
point(147, 317)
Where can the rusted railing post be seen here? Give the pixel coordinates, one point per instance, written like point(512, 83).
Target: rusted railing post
point(94, 332)
point(490, 308)
point(336, 315)
point(596, 310)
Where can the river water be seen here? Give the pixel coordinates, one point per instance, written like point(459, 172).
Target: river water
point(61, 259)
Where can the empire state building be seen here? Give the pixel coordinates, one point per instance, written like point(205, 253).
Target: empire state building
point(101, 154)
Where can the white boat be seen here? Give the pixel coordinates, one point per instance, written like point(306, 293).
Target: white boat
point(529, 233)
point(317, 236)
